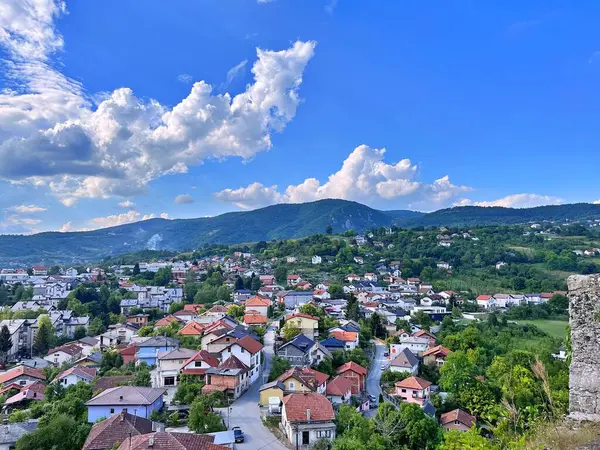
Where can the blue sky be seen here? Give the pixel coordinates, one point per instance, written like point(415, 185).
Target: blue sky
point(104, 119)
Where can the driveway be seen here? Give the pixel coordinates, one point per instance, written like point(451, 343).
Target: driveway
point(245, 413)
point(374, 377)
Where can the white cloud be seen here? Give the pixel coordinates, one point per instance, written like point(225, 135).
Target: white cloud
point(121, 219)
point(331, 5)
point(185, 78)
point(183, 199)
point(27, 209)
point(597, 202)
point(14, 224)
point(66, 227)
point(235, 72)
point(264, 1)
point(522, 201)
point(462, 202)
point(363, 177)
point(126, 204)
point(50, 135)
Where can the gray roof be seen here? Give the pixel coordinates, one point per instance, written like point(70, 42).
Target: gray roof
point(406, 358)
point(273, 384)
point(159, 341)
point(127, 395)
point(11, 432)
point(89, 340)
point(181, 353)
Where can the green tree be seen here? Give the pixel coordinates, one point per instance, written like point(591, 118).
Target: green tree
point(45, 336)
point(329, 229)
point(175, 306)
point(142, 378)
point(202, 419)
point(336, 291)
point(61, 432)
point(290, 332)
point(96, 327)
point(352, 308)
point(136, 270)
point(256, 284)
point(54, 270)
point(5, 343)
point(471, 440)
point(80, 332)
point(162, 277)
point(281, 274)
point(278, 367)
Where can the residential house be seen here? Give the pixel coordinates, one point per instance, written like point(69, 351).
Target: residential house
point(116, 429)
point(321, 294)
point(76, 374)
point(198, 363)
point(118, 334)
point(170, 364)
point(254, 319)
point(12, 432)
point(221, 343)
point(148, 350)
point(352, 278)
point(140, 401)
point(25, 396)
point(370, 277)
point(316, 259)
point(297, 351)
point(39, 271)
point(259, 304)
point(356, 373)
point(231, 377)
point(307, 418)
point(308, 325)
point(88, 345)
point(192, 328)
point(349, 338)
point(339, 390)
point(93, 360)
point(248, 351)
point(457, 419)
point(185, 316)
point(303, 379)
point(140, 320)
point(161, 440)
point(293, 279)
point(405, 362)
point(333, 344)
point(68, 353)
point(241, 295)
point(359, 260)
point(413, 390)
point(21, 375)
point(485, 301)
point(292, 299)
point(267, 280)
point(417, 345)
point(166, 321)
point(20, 337)
point(271, 396)
point(435, 356)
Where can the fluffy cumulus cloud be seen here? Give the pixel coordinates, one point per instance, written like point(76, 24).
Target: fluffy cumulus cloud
point(364, 177)
point(183, 199)
point(126, 204)
point(50, 134)
point(117, 219)
point(522, 201)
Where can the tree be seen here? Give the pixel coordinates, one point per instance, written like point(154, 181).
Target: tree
point(278, 367)
point(281, 274)
point(45, 336)
point(329, 229)
point(239, 283)
point(202, 419)
point(142, 378)
point(352, 308)
point(136, 270)
point(54, 270)
point(175, 306)
point(290, 332)
point(60, 432)
point(162, 277)
point(422, 319)
point(96, 327)
point(111, 359)
point(80, 332)
point(256, 284)
point(5, 342)
point(336, 291)
point(471, 440)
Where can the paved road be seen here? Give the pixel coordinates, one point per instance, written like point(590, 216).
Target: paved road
point(374, 377)
point(245, 412)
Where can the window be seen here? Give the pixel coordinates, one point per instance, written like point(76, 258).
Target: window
point(292, 386)
point(403, 390)
point(197, 363)
point(112, 410)
point(23, 382)
point(324, 434)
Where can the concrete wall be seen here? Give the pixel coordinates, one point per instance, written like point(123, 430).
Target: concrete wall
point(584, 380)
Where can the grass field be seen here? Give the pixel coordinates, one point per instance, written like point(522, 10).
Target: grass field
point(556, 328)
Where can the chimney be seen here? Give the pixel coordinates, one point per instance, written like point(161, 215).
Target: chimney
point(151, 442)
point(120, 397)
point(308, 414)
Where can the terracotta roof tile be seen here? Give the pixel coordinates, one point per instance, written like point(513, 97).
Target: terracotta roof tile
point(297, 407)
point(353, 367)
point(21, 370)
point(191, 328)
point(254, 319)
point(171, 441)
point(346, 336)
point(413, 383)
point(339, 386)
point(249, 344)
point(115, 429)
point(437, 350)
point(458, 414)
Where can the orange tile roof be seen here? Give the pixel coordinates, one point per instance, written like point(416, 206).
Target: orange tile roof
point(413, 383)
point(21, 370)
point(302, 315)
point(484, 297)
point(202, 355)
point(257, 301)
point(353, 367)
point(254, 319)
point(348, 336)
point(441, 350)
point(339, 386)
point(166, 321)
point(192, 308)
point(250, 344)
point(191, 328)
point(310, 377)
point(297, 405)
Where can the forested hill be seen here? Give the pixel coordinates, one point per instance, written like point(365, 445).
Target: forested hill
point(283, 221)
point(478, 215)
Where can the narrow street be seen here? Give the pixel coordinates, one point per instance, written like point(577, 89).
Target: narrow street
point(374, 377)
point(245, 412)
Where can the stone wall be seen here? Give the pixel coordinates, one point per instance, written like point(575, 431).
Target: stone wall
point(584, 380)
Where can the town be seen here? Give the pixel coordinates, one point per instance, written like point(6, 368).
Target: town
point(246, 349)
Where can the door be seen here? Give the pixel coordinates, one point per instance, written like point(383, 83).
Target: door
point(305, 437)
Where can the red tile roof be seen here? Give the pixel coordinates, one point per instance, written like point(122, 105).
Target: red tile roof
point(422, 333)
point(162, 440)
point(353, 367)
point(166, 321)
point(339, 386)
point(413, 383)
point(21, 370)
point(83, 372)
point(309, 377)
point(250, 344)
point(299, 406)
point(192, 308)
point(305, 316)
point(484, 297)
point(438, 350)
point(202, 355)
point(458, 414)
point(257, 301)
point(116, 428)
point(233, 363)
point(69, 349)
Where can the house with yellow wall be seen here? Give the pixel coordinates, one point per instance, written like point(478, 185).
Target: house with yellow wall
point(308, 325)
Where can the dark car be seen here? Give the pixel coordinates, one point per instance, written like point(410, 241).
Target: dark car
point(239, 434)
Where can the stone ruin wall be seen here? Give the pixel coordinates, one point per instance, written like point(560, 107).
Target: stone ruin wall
point(584, 379)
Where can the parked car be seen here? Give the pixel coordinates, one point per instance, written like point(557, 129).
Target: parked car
point(239, 434)
point(386, 354)
point(373, 402)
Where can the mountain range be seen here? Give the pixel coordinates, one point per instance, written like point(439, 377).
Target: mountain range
point(283, 221)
